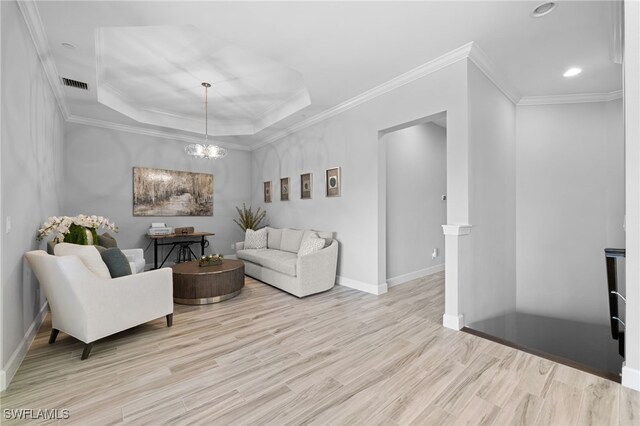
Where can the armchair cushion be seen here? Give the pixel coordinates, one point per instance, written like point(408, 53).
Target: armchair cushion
point(116, 262)
point(107, 240)
point(89, 255)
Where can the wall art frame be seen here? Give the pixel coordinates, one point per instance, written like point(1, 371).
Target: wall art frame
point(163, 192)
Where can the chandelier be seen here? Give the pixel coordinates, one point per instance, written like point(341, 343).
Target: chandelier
point(205, 150)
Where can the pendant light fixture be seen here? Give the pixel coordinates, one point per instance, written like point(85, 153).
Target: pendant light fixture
point(205, 150)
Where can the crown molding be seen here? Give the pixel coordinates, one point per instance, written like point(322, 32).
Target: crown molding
point(149, 132)
point(482, 61)
point(420, 71)
point(578, 98)
point(32, 18)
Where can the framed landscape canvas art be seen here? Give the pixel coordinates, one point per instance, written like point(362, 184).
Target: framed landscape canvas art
point(284, 189)
point(267, 192)
point(333, 182)
point(306, 186)
point(160, 192)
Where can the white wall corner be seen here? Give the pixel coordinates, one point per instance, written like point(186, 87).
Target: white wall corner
point(405, 278)
point(456, 229)
point(362, 286)
point(454, 322)
point(630, 378)
point(12, 365)
point(484, 64)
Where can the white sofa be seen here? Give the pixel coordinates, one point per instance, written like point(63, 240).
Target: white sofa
point(280, 266)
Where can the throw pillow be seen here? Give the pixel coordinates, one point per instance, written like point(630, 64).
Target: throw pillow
point(255, 239)
point(88, 255)
point(116, 261)
point(311, 245)
point(274, 237)
point(107, 240)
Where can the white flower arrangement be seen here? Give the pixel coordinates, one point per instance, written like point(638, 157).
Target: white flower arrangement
point(60, 225)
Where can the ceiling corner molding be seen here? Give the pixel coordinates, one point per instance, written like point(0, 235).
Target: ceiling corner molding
point(148, 132)
point(420, 71)
point(31, 17)
point(482, 61)
point(578, 98)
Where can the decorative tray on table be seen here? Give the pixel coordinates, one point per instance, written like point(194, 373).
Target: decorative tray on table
point(211, 260)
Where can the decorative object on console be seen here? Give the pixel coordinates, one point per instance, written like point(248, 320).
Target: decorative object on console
point(160, 192)
point(284, 189)
point(306, 186)
point(184, 230)
point(81, 229)
point(211, 260)
point(333, 182)
point(267, 192)
point(247, 219)
point(205, 150)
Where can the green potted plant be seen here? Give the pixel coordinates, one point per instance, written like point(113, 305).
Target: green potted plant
point(248, 219)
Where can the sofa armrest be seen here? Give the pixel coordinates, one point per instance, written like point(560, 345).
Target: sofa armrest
point(317, 271)
point(240, 245)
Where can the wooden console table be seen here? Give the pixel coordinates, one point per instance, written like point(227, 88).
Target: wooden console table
point(177, 239)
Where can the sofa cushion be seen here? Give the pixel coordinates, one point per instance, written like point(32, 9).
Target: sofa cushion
point(280, 261)
point(274, 238)
point(116, 262)
point(251, 255)
point(88, 255)
point(255, 239)
point(311, 245)
point(291, 239)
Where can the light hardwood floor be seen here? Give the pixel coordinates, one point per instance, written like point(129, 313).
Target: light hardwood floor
point(341, 357)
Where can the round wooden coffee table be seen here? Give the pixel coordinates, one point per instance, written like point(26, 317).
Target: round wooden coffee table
point(199, 285)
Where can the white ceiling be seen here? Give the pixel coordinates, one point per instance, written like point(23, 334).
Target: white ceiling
point(338, 49)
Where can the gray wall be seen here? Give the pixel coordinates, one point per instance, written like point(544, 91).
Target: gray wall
point(98, 180)
point(492, 200)
point(570, 206)
point(416, 180)
point(32, 135)
point(351, 140)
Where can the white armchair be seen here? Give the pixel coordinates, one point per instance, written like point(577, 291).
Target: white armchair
point(90, 307)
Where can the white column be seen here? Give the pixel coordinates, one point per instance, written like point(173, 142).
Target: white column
point(456, 257)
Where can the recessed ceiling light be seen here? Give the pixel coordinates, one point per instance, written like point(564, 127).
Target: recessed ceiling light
point(572, 72)
point(68, 45)
point(543, 9)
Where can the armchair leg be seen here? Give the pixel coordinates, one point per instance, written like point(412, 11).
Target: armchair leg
point(169, 320)
point(87, 350)
point(54, 335)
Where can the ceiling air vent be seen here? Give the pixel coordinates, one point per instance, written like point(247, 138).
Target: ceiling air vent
point(74, 83)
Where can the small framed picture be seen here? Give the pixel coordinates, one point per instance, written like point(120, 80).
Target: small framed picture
point(333, 182)
point(306, 186)
point(267, 192)
point(284, 189)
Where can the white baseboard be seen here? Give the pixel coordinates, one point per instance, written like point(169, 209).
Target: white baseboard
point(454, 322)
point(362, 286)
point(401, 279)
point(10, 368)
point(630, 378)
